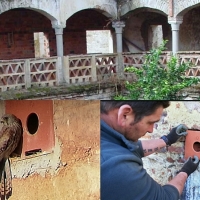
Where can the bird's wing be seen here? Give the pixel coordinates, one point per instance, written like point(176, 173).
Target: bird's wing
point(2, 179)
point(6, 137)
point(9, 137)
point(6, 180)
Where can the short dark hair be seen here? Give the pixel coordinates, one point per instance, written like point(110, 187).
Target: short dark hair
point(140, 108)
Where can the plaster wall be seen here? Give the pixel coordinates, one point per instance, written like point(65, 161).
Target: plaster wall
point(47, 7)
point(107, 7)
point(132, 32)
point(99, 42)
point(159, 5)
point(61, 10)
point(182, 6)
point(156, 34)
point(71, 170)
point(138, 27)
point(164, 165)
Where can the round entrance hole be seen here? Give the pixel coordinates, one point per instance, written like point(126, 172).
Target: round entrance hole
point(32, 123)
point(196, 146)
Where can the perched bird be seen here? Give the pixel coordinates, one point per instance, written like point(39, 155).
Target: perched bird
point(10, 136)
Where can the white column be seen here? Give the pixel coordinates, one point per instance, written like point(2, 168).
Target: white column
point(59, 44)
point(175, 24)
point(118, 25)
point(59, 41)
point(59, 37)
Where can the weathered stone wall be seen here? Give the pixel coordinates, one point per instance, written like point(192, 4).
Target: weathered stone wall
point(164, 165)
point(71, 170)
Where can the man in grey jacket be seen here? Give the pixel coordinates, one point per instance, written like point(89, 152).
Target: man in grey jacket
point(122, 174)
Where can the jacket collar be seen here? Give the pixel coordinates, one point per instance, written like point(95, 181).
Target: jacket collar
point(108, 133)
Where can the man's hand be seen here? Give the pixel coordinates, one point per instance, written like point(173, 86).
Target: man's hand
point(176, 133)
point(190, 165)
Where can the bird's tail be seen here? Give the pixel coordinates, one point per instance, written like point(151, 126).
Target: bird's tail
point(6, 180)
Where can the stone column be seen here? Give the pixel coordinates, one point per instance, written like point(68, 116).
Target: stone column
point(59, 45)
point(118, 25)
point(175, 24)
point(59, 37)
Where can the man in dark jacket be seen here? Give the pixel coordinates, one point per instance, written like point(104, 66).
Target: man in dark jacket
point(122, 174)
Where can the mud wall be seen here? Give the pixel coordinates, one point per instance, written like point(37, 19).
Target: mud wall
point(71, 170)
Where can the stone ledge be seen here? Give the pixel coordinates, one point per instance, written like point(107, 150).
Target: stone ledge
point(87, 91)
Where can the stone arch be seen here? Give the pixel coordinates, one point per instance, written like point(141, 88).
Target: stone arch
point(160, 6)
point(108, 9)
point(42, 8)
point(184, 6)
point(18, 39)
point(189, 39)
point(75, 32)
point(137, 33)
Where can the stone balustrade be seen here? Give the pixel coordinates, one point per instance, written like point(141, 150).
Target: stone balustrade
point(79, 69)
point(24, 73)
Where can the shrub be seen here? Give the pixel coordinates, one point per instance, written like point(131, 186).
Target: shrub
point(156, 82)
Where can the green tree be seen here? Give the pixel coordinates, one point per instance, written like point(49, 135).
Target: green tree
point(156, 82)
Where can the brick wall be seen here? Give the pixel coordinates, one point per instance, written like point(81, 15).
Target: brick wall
point(22, 24)
point(75, 31)
point(17, 27)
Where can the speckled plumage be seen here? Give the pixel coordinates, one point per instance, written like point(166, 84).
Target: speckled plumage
point(10, 135)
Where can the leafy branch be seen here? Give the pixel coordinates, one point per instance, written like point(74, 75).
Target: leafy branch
point(157, 82)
